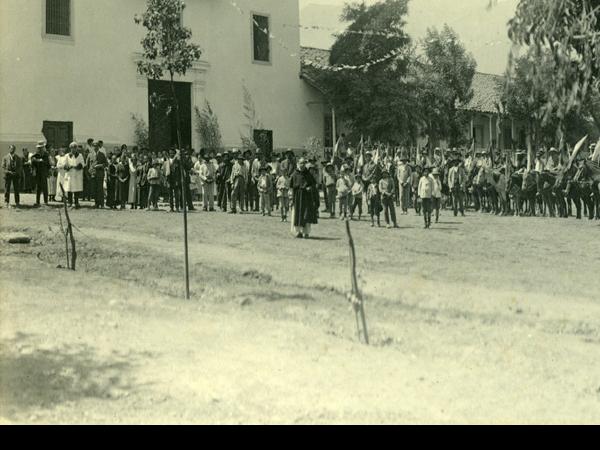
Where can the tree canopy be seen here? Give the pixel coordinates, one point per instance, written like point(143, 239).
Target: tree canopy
point(566, 34)
point(415, 93)
point(166, 46)
point(375, 102)
point(443, 78)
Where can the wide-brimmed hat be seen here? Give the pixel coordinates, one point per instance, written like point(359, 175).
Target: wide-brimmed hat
point(553, 150)
point(40, 144)
point(435, 171)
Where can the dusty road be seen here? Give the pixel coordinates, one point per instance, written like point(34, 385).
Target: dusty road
point(480, 319)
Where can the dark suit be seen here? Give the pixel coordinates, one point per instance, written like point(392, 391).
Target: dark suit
point(13, 173)
point(41, 163)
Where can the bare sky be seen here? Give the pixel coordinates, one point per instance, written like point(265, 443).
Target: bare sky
point(482, 30)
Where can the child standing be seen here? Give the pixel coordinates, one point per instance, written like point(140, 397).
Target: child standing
point(374, 201)
point(283, 191)
point(330, 180)
point(436, 194)
point(386, 188)
point(264, 190)
point(357, 198)
point(343, 187)
point(154, 184)
point(425, 193)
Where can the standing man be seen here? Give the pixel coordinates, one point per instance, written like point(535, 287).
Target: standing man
point(237, 181)
point(40, 161)
point(187, 165)
point(404, 180)
point(13, 170)
point(26, 179)
point(255, 174)
point(172, 170)
point(223, 175)
point(250, 185)
point(456, 182)
point(206, 173)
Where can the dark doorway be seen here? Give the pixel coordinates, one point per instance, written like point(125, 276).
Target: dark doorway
point(58, 134)
point(162, 117)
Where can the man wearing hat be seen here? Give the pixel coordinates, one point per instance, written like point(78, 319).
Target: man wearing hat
point(40, 162)
point(553, 164)
point(457, 179)
point(436, 194)
point(13, 170)
point(223, 186)
point(237, 180)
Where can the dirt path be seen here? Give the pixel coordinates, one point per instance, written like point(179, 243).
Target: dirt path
point(261, 344)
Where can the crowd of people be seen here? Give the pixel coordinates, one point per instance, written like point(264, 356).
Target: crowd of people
point(349, 182)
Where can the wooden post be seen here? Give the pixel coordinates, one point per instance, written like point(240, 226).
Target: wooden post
point(333, 128)
point(357, 299)
point(73, 263)
point(491, 133)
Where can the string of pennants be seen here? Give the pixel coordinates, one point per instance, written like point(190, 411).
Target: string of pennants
point(394, 53)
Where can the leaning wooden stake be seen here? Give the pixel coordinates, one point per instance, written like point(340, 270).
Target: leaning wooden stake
point(69, 230)
point(66, 235)
point(356, 297)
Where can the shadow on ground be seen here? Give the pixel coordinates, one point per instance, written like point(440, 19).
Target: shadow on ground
point(34, 379)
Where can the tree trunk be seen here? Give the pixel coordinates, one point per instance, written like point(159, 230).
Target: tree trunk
point(183, 198)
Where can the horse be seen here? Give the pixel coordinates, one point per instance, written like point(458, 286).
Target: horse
point(545, 182)
point(589, 174)
point(566, 191)
point(522, 189)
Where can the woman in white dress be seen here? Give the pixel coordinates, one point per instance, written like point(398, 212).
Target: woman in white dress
point(133, 182)
point(61, 161)
point(74, 174)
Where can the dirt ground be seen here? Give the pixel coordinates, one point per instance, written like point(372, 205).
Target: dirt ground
point(479, 320)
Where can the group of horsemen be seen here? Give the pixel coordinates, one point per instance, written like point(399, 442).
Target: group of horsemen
point(548, 184)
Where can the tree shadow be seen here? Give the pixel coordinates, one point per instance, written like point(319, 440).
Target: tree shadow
point(33, 379)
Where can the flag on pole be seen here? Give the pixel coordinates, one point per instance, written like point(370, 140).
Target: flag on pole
point(361, 158)
point(576, 151)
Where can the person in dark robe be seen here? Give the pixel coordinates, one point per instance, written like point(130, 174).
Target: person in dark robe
point(305, 212)
point(100, 165)
point(111, 183)
point(122, 181)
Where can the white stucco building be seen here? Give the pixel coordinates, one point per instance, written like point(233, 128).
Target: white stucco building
point(68, 67)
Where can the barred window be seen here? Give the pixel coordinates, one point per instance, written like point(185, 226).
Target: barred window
point(261, 40)
point(58, 17)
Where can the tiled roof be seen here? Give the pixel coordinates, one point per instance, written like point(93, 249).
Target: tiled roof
point(487, 93)
point(318, 55)
point(487, 88)
point(315, 55)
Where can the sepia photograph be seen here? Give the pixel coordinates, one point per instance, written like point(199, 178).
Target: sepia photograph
point(300, 212)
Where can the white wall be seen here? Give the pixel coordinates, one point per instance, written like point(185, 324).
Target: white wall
point(91, 79)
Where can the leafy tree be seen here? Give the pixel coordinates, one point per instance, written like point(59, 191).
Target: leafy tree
point(140, 131)
point(208, 127)
point(377, 101)
point(568, 31)
point(443, 80)
point(166, 47)
point(525, 99)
